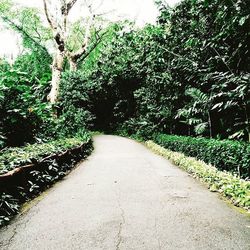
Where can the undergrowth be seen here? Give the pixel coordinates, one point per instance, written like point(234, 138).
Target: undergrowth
point(18, 156)
point(228, 155)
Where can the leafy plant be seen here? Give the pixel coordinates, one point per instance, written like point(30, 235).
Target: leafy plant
point(43, 174)
point(8, 207)
point(15, 157)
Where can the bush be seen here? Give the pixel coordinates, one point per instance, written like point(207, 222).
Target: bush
point(16, 157)
point(232, 156)
point(97, 101)
point(75, 107)
point(21, 111)
point(137, 128)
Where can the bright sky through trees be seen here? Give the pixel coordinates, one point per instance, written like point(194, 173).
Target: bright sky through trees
point(143, 11)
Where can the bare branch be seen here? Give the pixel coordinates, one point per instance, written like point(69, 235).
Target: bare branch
point(105, 13)
point(24, 33)
point(76, 55)
point(65, 9)
point(71, 4)
point(49, 18)
point(84, 51)
point(58, 37)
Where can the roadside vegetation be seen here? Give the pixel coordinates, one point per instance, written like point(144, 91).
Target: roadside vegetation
point(183, 82)
point(230, 186)
point(226, 155)
point(15, 157)
point(34, 169)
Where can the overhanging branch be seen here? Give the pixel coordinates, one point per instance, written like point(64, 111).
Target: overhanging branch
point(23, 32)
point(93, 47)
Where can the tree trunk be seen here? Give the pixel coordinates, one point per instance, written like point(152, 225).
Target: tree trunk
point(247, 121)
point(72, 64)
point(210, 125)
point(57, 69)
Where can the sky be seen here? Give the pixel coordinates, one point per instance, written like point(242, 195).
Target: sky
point(142, 11)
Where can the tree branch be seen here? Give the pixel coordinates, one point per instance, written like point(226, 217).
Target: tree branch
point(83, 57)
point(177, 55)
point(216, 51)
point(49, 18)
point(57, 35)
point(76, 55)
point(24, 33)
point(65, 9)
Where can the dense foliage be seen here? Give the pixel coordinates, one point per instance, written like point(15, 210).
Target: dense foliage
point(187, 75)
point(226, 155)
point(16, 157)
point(23, 105)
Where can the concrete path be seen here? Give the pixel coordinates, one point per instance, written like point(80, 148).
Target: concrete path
point(125, 197)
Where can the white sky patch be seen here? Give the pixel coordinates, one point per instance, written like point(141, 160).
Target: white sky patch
point(141, 11)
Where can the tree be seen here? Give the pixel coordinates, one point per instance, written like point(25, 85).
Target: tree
point(60, 30)
point(27, 22)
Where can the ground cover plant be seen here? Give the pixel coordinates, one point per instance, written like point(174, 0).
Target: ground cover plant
point(19, 156)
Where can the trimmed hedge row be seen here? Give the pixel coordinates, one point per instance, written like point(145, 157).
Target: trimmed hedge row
point(225, 155)
point(26, 182)
point(231, 186)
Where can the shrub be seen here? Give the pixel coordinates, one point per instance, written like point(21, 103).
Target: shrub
point(233, 156)
point(75, 107)
point(22, 110)
point(16, 157)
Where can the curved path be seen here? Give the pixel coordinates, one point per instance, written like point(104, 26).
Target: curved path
point(125, 197)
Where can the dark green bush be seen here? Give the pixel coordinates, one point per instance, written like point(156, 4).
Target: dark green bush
point(75, 107)
point(22, 110)
point(232, 156)
point(99, 101)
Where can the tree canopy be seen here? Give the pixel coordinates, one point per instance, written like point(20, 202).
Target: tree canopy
point(189, 74)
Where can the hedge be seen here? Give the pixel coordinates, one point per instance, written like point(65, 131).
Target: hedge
point(11, 158)
point(231, 186)
point(47, 163)
point(232, 156)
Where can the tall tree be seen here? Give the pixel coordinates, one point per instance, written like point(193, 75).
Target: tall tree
point(61, 33)
point(72, 41)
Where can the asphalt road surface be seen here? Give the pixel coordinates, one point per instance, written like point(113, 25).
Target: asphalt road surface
point(126, 197)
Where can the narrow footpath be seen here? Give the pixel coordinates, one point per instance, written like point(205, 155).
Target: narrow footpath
point(126, 197)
